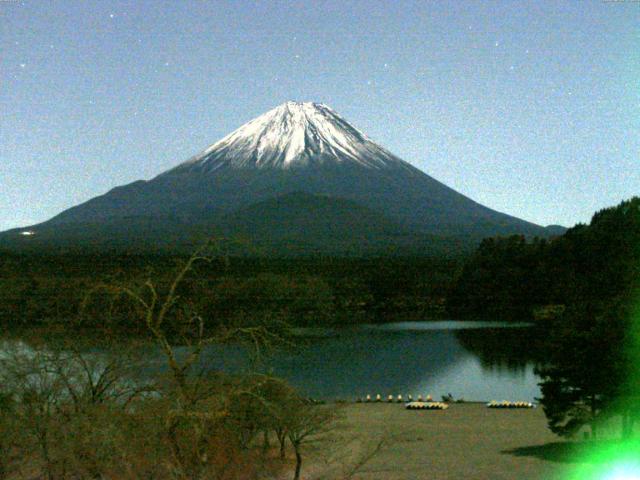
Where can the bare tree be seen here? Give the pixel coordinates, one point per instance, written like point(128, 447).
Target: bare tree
point(173, 320)
point(304, 424)
point(39, 397)
point(8, 433)
point(61, 400)
point(91, 379)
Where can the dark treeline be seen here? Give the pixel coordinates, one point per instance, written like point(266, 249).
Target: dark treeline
point(514, 278)
point(583, 288)
point(45, 289)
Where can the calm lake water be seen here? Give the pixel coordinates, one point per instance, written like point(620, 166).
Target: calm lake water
point(472, 360)
point(477, 361)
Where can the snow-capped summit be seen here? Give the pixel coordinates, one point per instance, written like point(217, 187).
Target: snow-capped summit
point(294, 134)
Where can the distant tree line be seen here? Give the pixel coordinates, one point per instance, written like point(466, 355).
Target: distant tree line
point(52, 289)
point(513, 278)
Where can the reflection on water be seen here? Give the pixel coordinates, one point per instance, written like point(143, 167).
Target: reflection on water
point(506, 349)
point(442, 325)
point(471, 360)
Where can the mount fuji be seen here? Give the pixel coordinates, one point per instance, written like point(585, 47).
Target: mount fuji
point(298, 179)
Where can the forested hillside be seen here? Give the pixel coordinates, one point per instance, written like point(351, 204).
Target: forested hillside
point(513, 278)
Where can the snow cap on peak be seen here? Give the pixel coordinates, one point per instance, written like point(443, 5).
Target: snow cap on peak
point(295, 103)
point(293, 134)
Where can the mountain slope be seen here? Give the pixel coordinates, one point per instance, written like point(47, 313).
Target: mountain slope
point(296, 147)
point(293, 224)
point(300, 223)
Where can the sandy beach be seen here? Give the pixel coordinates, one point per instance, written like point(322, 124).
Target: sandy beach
point(466, 441)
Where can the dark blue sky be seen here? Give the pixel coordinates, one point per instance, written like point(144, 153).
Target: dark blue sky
point(531, 108)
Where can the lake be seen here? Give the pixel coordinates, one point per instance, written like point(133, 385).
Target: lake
point(477, 361)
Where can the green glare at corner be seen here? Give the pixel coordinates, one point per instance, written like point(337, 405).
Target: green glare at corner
point(616, 459)
point(613, 461)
